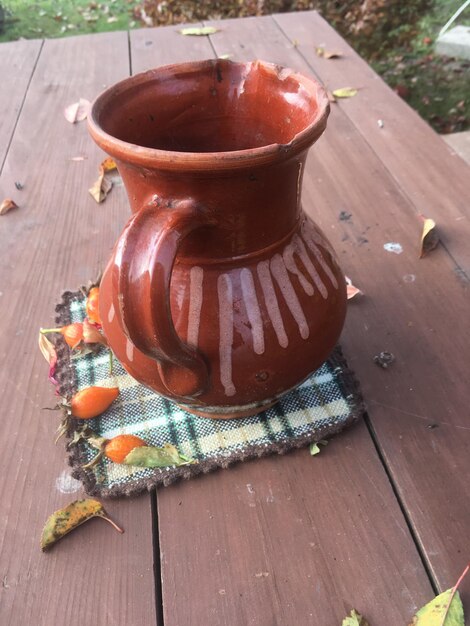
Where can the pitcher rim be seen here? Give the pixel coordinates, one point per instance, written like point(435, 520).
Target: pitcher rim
point(152, 158)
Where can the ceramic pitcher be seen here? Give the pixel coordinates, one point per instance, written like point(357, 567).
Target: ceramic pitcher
point(221, 294)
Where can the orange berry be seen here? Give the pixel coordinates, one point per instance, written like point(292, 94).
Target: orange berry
point(92, 401)
point(92, 305)
point(73, 333)
point(119, 447)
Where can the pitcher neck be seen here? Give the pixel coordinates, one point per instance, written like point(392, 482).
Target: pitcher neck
point(251, 209)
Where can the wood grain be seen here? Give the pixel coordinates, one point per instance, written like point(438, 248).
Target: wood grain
point(17, 62)
point(153, 47)
point(287, 540)
point(406, 310)
point(58, 238)
point(417, 309)
point(433, 177)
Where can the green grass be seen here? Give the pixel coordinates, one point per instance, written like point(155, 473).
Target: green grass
point(59, 18)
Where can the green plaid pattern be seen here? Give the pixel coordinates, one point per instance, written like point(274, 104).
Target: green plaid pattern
point(318, 407)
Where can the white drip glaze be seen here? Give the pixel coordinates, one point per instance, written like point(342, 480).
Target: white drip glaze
point(252, 309)
point(303, 255)
point(310, 237)
point(196, 277)
point(288, 257)
point(272, 305)
point(225, 295)
point(282, 278)
point(129, 350)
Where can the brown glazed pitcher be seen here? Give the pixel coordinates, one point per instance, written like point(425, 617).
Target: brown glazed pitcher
point(221, 294)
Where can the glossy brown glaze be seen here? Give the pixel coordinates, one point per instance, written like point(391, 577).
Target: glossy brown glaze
point(220, 293)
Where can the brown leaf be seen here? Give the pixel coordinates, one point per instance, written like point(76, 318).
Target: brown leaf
point(101, 187)
point(351, 290)
point(49, 353)
point(70, 517)
point(7, 205)
point(429, 236)
point(78, 111)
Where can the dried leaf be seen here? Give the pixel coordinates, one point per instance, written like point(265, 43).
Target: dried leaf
point(91, 334)
point(445, 610)
point(429, 236)
point(351, 290)
point(345, 92)
point(101, 187)
point(67, 519)
point(315, 447)
point(328, 54)
point(108, 165)
point(354, 619)
point(331, 97)
point(205, 30)
point(78, 111)
point(48, 351)
point(332, 54)
point(7, 205)
point(151, 456)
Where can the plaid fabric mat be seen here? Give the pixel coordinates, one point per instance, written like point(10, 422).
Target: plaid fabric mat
point(323, 405)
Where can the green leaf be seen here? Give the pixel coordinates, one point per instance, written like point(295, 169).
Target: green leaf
point(354, 619)
point(67, 519)
point(345, 92)
point(445, 610)
point(315, 447)
point(151, 456)
point(205, 30)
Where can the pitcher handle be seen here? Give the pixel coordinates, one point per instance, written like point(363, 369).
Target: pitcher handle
point(146, 251)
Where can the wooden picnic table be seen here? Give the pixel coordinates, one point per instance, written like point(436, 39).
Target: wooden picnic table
point(380, 520)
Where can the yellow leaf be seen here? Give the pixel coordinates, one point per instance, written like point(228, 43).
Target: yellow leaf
point(445, 610)
point(78, 111)
point(67, 519)
point(429, 236)
point(108, 165)
point(345, 92)
point(205, 30)
point(328, 54)
point(354, 619)
point(7, 205)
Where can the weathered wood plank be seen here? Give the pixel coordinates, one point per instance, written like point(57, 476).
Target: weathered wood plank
point(288, 540)
point(153, 47)
point(417, 309)
point(406, 310)
point(433, 177)
point(17, 62)
point(58, 238)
